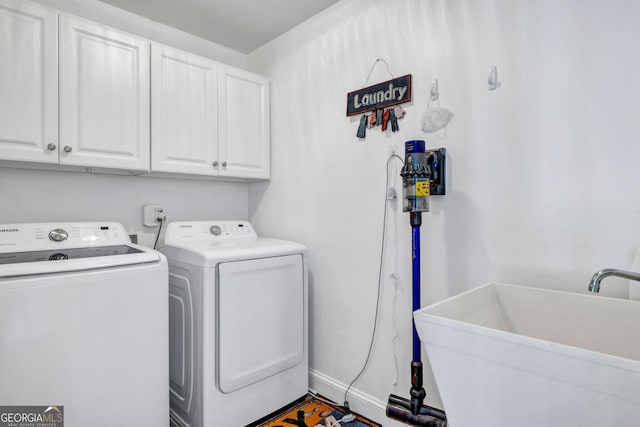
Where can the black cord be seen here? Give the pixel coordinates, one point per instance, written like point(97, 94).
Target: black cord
point(162, 220)
point(375, 321)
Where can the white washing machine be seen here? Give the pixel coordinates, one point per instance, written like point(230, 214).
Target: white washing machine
point(238, 323)
point(83, 324)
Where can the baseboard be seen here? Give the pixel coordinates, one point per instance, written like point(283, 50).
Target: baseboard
point(360, 402)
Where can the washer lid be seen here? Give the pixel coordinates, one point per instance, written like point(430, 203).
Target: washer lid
point(42, 248)
point(71, 265)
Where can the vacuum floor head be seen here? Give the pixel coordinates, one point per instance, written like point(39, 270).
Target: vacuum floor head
point(399, 409)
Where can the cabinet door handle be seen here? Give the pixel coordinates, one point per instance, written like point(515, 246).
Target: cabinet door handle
point(51, 146)
point(224, 164)
point(215, 164)
point(67, 149)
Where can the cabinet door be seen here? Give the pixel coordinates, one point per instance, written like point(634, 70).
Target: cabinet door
point(28, 82)
point(184, 122)
point(244, 124)
point(104, 97)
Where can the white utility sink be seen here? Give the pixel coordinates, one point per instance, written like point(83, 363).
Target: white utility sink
point(505, 355)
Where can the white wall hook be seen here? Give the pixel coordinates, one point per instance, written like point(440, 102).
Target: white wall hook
point(435, 95)
point(493, 78)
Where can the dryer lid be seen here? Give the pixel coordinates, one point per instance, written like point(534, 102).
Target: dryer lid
point(207, 243)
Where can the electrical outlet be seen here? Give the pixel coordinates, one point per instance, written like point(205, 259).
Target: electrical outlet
point(152, 215)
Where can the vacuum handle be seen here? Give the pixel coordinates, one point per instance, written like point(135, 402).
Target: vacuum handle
point(416, 374)
point(417, 392)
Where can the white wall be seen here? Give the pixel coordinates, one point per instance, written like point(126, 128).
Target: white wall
point(32, 195)
point(543, 183)
point(47, 196)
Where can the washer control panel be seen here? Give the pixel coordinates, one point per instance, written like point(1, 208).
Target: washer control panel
point(43, 236)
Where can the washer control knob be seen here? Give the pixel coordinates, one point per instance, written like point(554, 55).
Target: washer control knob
point(215, 230)
point(58, 235)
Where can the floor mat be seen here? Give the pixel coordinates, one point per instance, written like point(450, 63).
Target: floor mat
point(313, 412)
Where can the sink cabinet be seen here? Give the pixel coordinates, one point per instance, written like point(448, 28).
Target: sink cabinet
point(497, 348)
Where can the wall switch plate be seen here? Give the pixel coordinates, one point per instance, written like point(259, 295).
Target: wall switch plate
point(151, 214)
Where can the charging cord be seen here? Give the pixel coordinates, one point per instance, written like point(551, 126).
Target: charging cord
point(375, 321)
point(161, 221)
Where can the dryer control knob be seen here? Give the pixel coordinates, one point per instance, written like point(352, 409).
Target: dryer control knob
point(215, 230)
point(58, 235)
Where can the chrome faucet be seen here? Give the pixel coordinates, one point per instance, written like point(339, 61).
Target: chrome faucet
point(594, 286)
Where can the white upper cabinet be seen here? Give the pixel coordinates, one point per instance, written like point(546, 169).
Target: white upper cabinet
point(244, 136)
point(184, 112)
point(83, 95)
point(28, 82)
point(104, 97)
point(207, 118)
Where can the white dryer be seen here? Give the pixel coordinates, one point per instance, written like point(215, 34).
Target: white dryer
point(238, 323)
point(83, 324)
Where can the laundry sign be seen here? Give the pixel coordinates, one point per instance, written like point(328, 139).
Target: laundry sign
point(381, 95)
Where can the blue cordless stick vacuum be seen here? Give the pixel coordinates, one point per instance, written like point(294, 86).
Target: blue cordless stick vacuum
point(417, 174)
